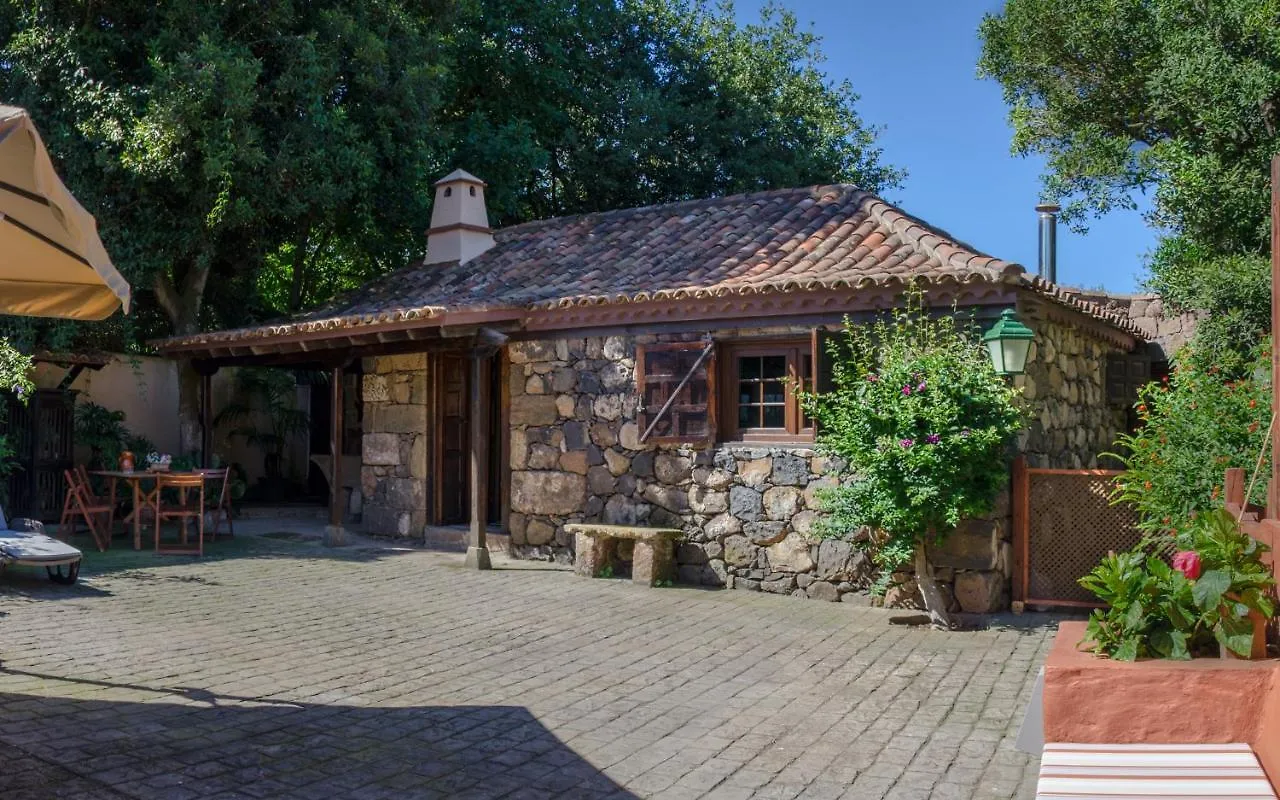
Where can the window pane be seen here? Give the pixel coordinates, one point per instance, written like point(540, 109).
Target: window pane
point(748, 393)
point(749, 368)
point(745, 416)
point(774, 367)
point(774, 392)
point(775, 416)
point(806, 368)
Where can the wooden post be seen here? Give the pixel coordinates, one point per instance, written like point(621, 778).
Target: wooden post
point(477, 548)
point(206, 371)
point(335, 533)
point(1018, 491)
point(1272, 510)
point(1233, 491)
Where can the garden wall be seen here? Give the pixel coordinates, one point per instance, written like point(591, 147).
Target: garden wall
point(144, 388)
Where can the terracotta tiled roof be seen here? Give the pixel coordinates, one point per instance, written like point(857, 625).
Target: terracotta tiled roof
point(822, 237)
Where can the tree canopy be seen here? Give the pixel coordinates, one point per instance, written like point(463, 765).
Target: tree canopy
point(1177, 97)
point(248, 159)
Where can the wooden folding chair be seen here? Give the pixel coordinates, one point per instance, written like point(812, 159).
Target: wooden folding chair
point(184, 510)
point(221, 509)
point(82, 472)
point(81, 503)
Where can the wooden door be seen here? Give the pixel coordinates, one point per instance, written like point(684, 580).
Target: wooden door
point(454, 438)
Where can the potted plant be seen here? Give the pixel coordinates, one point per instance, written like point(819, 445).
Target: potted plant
point(1211, 597)
point(271, 396)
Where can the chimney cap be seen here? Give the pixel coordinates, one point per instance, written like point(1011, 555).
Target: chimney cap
point(1048, 208)
point(460, 176)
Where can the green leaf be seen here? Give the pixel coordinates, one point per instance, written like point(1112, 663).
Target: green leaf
point(1235, 634)
point(1133, 616)
point(1127, 651)
point(1179, 649)
point(1161, 643)
point(1209, 588)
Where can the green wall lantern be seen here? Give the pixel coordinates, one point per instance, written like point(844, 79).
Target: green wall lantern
point(1008, 342)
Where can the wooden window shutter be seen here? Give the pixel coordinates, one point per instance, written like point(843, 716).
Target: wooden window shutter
point(823, 378)
point(1126, 375)
point(677, 391)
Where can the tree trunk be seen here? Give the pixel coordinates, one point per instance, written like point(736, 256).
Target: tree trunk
point(183, 310)
point(299, 282)
point(934, 602)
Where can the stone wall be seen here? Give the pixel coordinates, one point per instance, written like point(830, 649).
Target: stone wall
point(1165, 328)
point(394, 454)
point(748, 510)
point(1065, 389)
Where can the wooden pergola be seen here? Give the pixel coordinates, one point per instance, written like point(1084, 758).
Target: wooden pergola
point(333, 351)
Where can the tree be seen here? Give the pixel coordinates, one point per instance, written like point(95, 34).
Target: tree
point(1181, 97)
point(16, 369)
point(924, 427)
point(205, 136)
point(252, 159)
point(566, 106)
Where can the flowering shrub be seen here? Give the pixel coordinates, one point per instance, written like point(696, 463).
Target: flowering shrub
point(924, 424)
point(1194, 426)
point(1199, 605)
point(15, 371)
point(15, 378)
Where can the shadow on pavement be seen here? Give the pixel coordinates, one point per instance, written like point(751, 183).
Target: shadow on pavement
point(183, 742)
point(121, 561)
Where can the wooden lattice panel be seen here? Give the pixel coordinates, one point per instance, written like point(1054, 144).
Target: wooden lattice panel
point(1072, 524)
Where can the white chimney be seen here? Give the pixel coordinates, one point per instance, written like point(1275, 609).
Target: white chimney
point(459, 223)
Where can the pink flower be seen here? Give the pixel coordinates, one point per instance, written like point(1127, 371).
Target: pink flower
point(920, 388)
point(871, 376)
point(907, 442)
point(906, 390)
point(933, 438)
point(1188, 563)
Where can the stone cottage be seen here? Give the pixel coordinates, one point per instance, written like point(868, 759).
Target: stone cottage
point(633, 366)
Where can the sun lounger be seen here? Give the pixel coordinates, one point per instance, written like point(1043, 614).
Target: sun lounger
point(1098, 771)
point(23, 543)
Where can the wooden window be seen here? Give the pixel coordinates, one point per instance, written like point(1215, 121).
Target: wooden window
point(759, 403)
point(677, 384)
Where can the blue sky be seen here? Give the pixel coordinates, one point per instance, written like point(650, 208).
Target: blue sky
point(914, 64)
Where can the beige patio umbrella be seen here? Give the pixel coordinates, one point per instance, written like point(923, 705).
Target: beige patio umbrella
point(52, 263)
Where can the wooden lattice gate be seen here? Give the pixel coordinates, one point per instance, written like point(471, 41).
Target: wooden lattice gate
point(42, 435)
point(1064, 522)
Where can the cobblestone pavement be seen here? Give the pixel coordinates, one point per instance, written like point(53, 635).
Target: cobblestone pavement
point(280, 669)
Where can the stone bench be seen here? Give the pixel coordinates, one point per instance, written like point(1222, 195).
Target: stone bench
point(653, 558)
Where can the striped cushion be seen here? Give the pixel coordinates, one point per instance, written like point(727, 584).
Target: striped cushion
point(1150, 771)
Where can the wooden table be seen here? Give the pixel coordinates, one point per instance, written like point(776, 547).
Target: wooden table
point(141, 496)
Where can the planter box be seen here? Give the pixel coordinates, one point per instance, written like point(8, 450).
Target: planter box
point(1090, 700)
